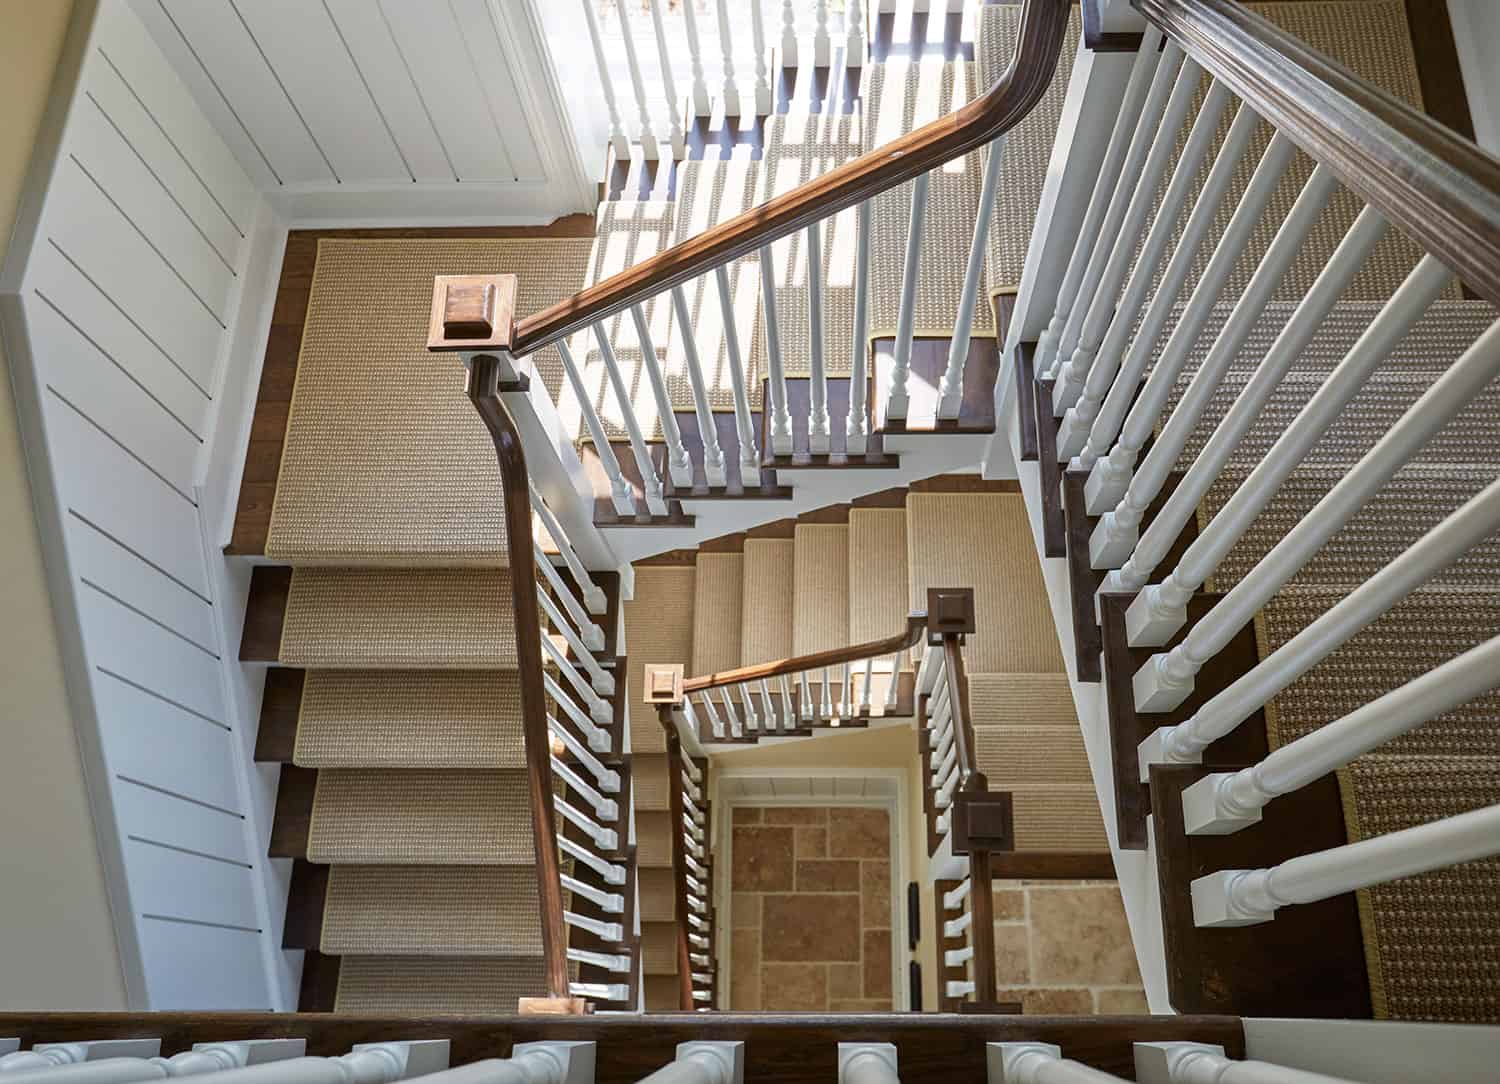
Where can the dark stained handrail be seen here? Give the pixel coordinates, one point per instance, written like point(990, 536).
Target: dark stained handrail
point(872, 649)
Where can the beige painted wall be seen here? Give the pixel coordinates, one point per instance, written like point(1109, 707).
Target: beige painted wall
point(57, 939)
point(884, 747)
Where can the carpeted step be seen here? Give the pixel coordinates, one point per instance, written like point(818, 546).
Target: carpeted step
point(1412, 503)
point(1031, 700)
point(379, 816)
point(432, 911)
point(820, 620)
point(658, 891)
point(717, 620)
point(653, 840)
point(659, 948)
point(658, 631)
point(983, 541)
point(416, 985)
point(366, 618)
point(768, 600)
point(878, 596)
point(650, 787)
point(1027, 147)
point(1057, 817)
point(662, 993)
point(1020, 755)
point(900, 97)
point(410, 719)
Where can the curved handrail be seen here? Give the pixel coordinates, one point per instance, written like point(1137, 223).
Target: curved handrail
point(1440, 188)
point(1043, 23)
point(872, 649)
point(483, 392)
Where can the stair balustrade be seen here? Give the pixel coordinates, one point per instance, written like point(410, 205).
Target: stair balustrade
point(1154, 404)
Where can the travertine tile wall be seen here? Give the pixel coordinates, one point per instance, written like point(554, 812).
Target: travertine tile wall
point(1063, 947)
point(811, 909)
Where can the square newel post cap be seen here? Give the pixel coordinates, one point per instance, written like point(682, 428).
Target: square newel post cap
point(950, 611)
point(664, 684)
point(472, 313)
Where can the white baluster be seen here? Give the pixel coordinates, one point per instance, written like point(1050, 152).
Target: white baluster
point(817, 419)
point(607, 809)
point(1237, 897)
point(1167, 679)
point(788, 715)
point(564, 627)
point(736, 728)
point(605, 931)
point(856, 42)
point(1103, 251)
point(1039, 1063)
point(713, 455)
point(1225, 802)
point(607, 961)
point(781, 418)
point(589, 631)
point(219, 1057)
point(702, 105)
point(703, 1063)
point(954, 899)
point(752, 717)
point(744, 423)
point(788, 34)
point(601, 680)
point(617, 137)
point(598, 738)
point(826, 694)
point(899, 400)
point(763, 99)
point(957, 989)
point(603, 837)
point(856, 425)
point(867, 1063)
point(1294, 337)
point(715, 723)
point(612, 874)
point(619, 488)
point(768, 705)
point(600, 991)
point(593, 595)
point(52, 1055)
point(952, 388)
point(669, 84)
point(891, 692)
point(1073, 430)
point(1107, 481)
point(649, 148)
point(822, 43)
point(1201, 1063)
point(1433, 552)
point(1124, 221)
point(809, 709)
point(1143, 346)
point(656, 503)
point(726, 47)
point(678, 465)
point(1109, 169)
point(867, 668)
point(1117, 531)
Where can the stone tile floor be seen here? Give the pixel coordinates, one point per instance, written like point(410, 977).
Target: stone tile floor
point(811, 909)
point(1064, 947)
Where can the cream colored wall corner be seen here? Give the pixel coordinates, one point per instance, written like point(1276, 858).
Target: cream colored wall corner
point(56, 935)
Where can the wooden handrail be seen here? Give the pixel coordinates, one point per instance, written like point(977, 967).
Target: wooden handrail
point(1437, 186)
point(483, 389)
point(1043, 24)
point(970, 779)
point(872, 649)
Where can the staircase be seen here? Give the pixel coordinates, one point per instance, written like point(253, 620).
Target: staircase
point(1062, 387)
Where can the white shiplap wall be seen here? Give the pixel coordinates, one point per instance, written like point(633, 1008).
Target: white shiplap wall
point(358, 110)
point(126, 276)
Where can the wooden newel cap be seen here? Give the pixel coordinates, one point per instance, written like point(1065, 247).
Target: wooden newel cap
point(983, 820)
point(664, 684)
point(950, 610)
point(472, 312)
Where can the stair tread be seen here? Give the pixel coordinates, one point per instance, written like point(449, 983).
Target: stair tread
point(878, 595)
point(649, 784)
point(652, 640)
point(410, 719)
point(406, 619)
point(820, 573)
point(717, 622)
point(658, 892)
point(1021, 700)
point(653, 840)
point(414, 985)
point(440, 816)
point(1057, 817)
point(768, 600)
point(432, 910)
point(1012, 755)
point(659, 948)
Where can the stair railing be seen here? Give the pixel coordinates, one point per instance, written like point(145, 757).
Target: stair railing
point(569, 724)
point(691, 826)
point(1125, 314)
point(509, 336)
